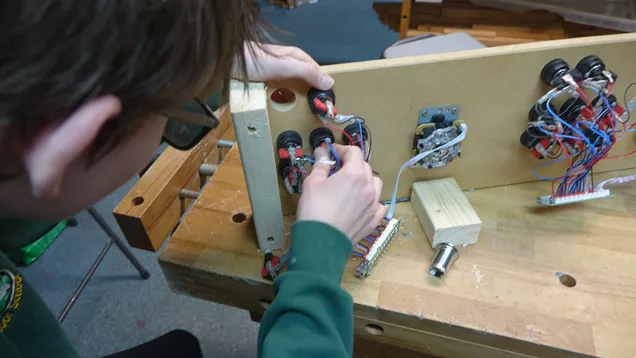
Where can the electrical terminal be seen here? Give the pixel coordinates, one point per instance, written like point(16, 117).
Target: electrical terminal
point(379, 247)
point(550, 200)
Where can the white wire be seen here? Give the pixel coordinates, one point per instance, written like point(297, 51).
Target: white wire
point(620, 180)
point(463, 127)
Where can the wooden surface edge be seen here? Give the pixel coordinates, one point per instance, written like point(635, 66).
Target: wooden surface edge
point(478, 53)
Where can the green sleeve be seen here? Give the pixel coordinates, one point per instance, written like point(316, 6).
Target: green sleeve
point(312, 316)
point(27, 327)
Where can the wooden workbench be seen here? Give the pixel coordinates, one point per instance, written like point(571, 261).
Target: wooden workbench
point(506, 296)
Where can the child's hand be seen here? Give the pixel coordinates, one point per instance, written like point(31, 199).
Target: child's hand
point(273, 62)
point(347, 200)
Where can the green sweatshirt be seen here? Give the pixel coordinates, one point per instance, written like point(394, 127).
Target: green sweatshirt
point(312, 316)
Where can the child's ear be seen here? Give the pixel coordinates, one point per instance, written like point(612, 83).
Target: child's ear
point(48, 157)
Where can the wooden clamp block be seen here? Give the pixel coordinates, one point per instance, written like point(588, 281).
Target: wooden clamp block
point(151, 210)
point(444, 212)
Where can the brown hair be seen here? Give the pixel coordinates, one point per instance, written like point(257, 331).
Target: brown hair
point(153, 54)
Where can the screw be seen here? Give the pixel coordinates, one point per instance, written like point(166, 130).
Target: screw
point(270, 239)
point(439, 110)
point(424, 113)
point(454, 110)
point(447, 110)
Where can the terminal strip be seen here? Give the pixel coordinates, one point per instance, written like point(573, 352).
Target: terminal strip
point(379, 247)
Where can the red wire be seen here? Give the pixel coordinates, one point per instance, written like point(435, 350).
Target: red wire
point(621, 155)
point(341, 131)
point(565, 150)
point(300, 171)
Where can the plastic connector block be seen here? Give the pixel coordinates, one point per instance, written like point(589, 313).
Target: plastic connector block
point(550, 200)
point(380, 246)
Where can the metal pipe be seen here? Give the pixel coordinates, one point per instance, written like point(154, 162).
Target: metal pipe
point(208, 169)
point(190, 194)
point(445, 255)
point(223, 143)
point(84, 282)
point(120, 243)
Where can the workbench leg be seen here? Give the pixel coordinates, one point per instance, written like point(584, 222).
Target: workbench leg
point(256, 317)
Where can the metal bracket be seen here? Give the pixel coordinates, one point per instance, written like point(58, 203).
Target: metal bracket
point(430, 134)
point(426, 114)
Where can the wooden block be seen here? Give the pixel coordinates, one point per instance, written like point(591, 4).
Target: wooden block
point(444, 212)
point(405, 19)
point(252, 128)
point(151, 210)
point(474, 33)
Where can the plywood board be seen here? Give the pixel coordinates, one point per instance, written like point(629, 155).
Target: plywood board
point(495, 88)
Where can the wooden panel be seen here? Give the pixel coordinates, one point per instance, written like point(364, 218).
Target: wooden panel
point(152, 208)
point(502, 295)
point(495, 88)
point(249, 114)
point(444, 212)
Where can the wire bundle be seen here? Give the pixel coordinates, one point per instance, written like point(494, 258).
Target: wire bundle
point(362, 248)
point(584, 141)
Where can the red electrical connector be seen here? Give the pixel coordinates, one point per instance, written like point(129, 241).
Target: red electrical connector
point(283, 153)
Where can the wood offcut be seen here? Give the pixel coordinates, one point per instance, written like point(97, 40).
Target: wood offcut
point(444, 212)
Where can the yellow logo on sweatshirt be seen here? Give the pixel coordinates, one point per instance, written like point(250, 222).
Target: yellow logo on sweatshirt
point(10, 296)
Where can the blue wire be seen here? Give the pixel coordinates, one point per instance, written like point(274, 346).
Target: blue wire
point(583, 136)
point(538, 176)
point(560, 135)
point(310, 160)
point(361, 137)
point(356, 253)
point(335, 155)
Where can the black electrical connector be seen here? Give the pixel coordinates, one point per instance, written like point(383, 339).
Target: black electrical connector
point(289, 139)
point(319, 136)
point(322, 96)
point(553, 71)
point(540, 112)
point(353, 130)
point(571, 109)
point(591, 66)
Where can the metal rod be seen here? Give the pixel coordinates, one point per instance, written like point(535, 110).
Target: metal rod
point(190, 194)
point(223, 143)
point(445, 255)
point(207, 169)
point(120, 243)
point(84, 282)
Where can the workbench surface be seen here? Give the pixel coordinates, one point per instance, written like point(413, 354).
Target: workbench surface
point(507, 295)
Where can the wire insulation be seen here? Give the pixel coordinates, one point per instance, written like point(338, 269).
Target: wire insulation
point(464, 129)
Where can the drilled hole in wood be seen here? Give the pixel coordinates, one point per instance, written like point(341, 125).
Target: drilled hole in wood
point(282, 99)
point(374, 329)
point(137, 201)
point(264, 303)
point(239, 218)
point(566, 280)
